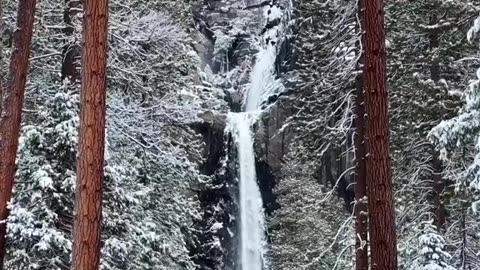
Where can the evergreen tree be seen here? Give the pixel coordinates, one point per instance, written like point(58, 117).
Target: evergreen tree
point(425, 89)
point(431, 250)
point(137, 233)
point(39, 228)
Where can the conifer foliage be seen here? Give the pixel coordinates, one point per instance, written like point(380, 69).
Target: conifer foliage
point(432, 253)
point(367, 128)
point(41, 220)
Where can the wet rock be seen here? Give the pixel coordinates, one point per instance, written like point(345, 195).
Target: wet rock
point(203, 46)
point(271, 141)
point(214, 119)
point(217, 228)
point(266, 183)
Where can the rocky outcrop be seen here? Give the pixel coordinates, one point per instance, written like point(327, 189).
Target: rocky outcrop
point(216, 193)
point(271, 140)
point(237, 27)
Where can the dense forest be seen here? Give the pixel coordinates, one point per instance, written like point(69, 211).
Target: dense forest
point(239, 135)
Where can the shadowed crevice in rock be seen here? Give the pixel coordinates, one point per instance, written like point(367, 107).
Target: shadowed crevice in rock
point(266, 182)
point(212, 130)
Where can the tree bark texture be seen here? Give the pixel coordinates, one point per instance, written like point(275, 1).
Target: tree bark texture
point(439, 211)
point(90, 163)
point(378, 161)
point(360, 208)
point(11, 115)
point(2, 72)
point(71, 50)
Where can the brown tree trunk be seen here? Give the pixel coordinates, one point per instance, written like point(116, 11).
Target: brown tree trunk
point(1, 56)
point(361, 209)
point(378, 163)
point(11, 116)
point(89, 188)
point(439, 210)
point(71, 50)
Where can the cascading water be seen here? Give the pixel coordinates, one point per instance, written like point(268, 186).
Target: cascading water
point(252, 218)
point(262, 78)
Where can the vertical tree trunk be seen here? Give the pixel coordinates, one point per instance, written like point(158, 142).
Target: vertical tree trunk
point(341, 179)
point(438, 183)
point(89, 188)
point(463, 232)
point(378, 162)
point(360, 210)
point(438, 188)
point(71, 50)
point(1, 56)
point(327, 163)
point(11, 116)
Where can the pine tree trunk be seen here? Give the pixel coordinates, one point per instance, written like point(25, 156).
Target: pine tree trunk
point(438, 188)
point(378, 162)
point(11, 116)
point(439, 210)
point(71, 50)
point(341, 181)
point(361, 209)
point(89, 188)
point(1, 56)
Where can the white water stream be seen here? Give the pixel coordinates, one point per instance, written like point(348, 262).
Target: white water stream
point(252, 217)
point(263, 84)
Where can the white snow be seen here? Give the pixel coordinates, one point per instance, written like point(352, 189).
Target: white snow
point(273, 13)
point(474, 30)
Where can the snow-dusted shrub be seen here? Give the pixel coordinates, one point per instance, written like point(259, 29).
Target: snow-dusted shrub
point(431, 253)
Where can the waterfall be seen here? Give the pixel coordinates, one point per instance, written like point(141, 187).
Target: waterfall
point(263, 84)
point(252, 220)
point(262, 78)
point(252, 217)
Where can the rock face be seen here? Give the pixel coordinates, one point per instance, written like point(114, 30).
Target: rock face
point(203, 46)
point(227, 44)
point(271, 140)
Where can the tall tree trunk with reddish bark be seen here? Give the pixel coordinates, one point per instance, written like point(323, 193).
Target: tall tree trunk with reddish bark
point(89, 188)
point(361, 209)
point(11, 115)
point(378, 162)
point(1, 56)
